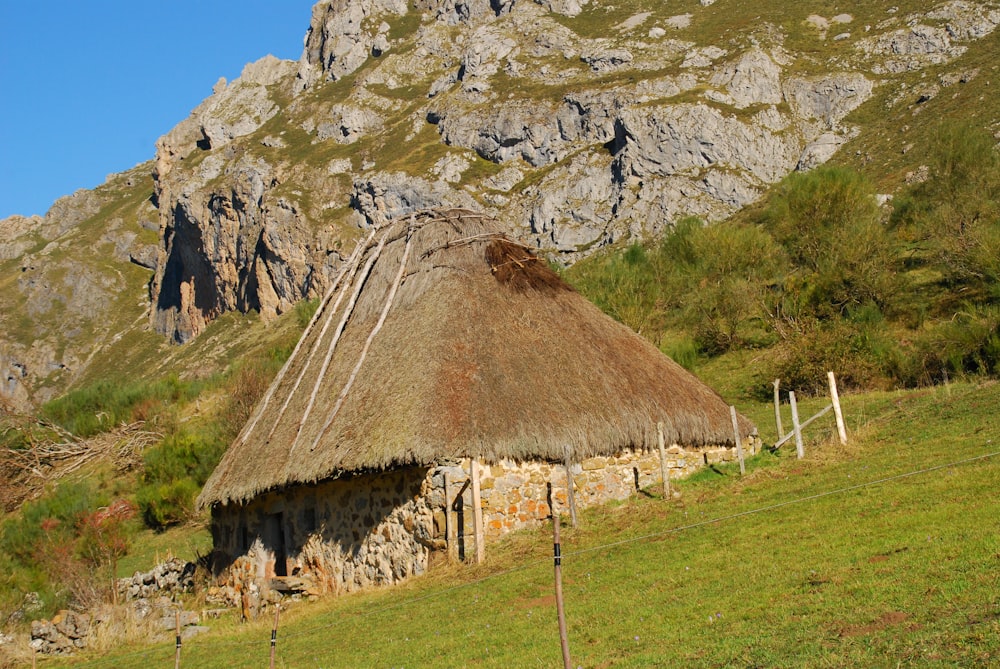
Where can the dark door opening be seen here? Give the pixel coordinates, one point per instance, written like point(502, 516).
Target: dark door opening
point(274, 539)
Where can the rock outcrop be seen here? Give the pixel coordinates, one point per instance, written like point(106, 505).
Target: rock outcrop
point(575, 137)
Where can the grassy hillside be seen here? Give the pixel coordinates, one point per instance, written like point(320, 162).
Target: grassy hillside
point(878, 554)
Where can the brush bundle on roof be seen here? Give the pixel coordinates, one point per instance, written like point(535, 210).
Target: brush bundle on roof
point(442, 338)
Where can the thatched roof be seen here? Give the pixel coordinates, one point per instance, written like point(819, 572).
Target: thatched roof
point(457, 342)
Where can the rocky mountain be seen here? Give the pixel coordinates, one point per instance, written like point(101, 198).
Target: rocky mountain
point(579, 123)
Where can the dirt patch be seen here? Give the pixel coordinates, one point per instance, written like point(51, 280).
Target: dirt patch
point(886, 620)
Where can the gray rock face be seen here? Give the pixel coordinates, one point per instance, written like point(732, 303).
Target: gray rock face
point(828, 99)
point(752, 79)
point(495, 105)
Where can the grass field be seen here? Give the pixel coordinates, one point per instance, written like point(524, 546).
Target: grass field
point(883, 553)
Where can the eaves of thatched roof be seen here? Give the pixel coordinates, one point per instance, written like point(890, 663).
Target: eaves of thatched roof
point(444, 339)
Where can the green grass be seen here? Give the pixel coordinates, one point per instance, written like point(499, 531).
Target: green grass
point(149, 548)
point(854, 556)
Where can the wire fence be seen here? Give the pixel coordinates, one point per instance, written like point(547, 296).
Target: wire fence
point(278, 638)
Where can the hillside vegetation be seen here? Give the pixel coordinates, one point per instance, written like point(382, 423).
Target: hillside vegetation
point(882, 264)
point(821, 277)
point(874, 555)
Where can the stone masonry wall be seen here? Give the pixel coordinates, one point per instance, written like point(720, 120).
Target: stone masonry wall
point(378, 529)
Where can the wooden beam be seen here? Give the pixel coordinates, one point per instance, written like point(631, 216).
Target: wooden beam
point(736, 435)
point(835, 397)
point(664, 474)
point(570, 494)
point(796, 428)
point(477, 512)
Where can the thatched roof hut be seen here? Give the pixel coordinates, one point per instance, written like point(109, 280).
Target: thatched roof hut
point(444, 339)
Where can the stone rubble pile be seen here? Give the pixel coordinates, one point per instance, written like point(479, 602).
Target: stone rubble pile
point(167, 578)
point(65, 633)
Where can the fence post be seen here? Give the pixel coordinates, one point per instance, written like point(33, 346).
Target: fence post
point(477, 512)
point(560, 611)
point(570, 495)
point(777, 410)
point(663, 461)
point(736, 435)
point(274, 633)
point(177, 629)
point(799, 448)
point(450, 534)
point(841, 428)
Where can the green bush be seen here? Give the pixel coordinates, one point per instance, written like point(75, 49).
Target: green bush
point(54, 515)
point(968, 344)
point(165, 504)
point(956, 211)
point(829, 223)
point(862, 354)
point(174, 472)
point(106, 404)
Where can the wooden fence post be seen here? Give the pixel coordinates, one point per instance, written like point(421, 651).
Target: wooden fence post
point(777, 411)
point(274, 633)
point(177, 629)
point(477, 512)
point(799, 447)
point(841, 428)
point(570, 495)
point(560, 611)
point(450, 533)
point(663, 461)
point(736, 435)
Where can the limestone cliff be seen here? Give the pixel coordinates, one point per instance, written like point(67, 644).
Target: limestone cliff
point(578, 124)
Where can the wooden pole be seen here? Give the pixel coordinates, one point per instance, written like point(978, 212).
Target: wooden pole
point(777, 410)
point(477, 512)
point(560, 611)
point(736, 435)
point(664, 474)
point(570, 495)
point(274, 633)
point(177, 629)
point(451, 536)
point(799, 448)
point(841, 428)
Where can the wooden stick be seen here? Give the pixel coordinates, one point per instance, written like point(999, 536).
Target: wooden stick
point(736, 435)
point(284, 368)
point(570, 494)
point(368, 343)
point(350, 271)
point(777, 410)
point(359, 283)
point(796, 428)
point(477, 512)
point(274, 633)
point(803, 425)
point(841, 428)
point(177, 628)
point(560, 610)
point(664, 474)
point(450, 534)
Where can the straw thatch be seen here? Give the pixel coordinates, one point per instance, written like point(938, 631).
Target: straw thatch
point(444, 339)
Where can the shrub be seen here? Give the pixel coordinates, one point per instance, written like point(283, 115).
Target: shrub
point(968, 343)
point(166, 504)
point(863, 354)
point(829, 222)
point(106, 404)
point(957, 209)
point(174, 472)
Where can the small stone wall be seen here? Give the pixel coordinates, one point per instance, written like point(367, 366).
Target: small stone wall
point(348, 534)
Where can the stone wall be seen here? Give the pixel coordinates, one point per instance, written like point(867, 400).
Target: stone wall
point(378, 529)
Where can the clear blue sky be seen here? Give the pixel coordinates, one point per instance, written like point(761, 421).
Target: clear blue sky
point(86, 88)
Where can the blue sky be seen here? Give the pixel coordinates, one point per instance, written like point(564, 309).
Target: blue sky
point(86, 88)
